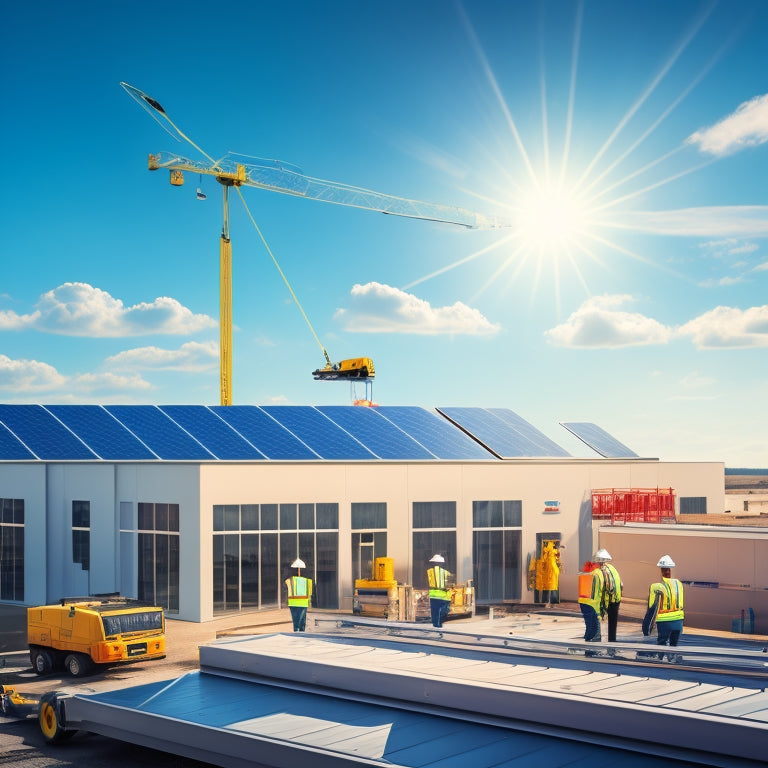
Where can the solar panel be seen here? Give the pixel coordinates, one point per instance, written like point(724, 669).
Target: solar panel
point(318, 432)
point(525, 428)
point(101, 432)
point(497, 435)
point(165, 438)
point(599, 440)
point(45, 436)
point(262, 431)
point(436, 434)
point(377, 434)
point(11, 448)
point(214, 433)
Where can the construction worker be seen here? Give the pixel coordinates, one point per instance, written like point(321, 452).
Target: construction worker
point(591, 585)
point(299, 595)
point(665, 606)
point(438, 579)
point(612, 588)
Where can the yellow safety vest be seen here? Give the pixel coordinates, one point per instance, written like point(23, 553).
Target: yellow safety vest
point(299, 591)
point(612, 582)
point(438, 582)
point(591, 588)
point(671, 605)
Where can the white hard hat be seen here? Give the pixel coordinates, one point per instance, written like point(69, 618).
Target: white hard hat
point(298, 563)
point(602, 556)
point(666, 562)
point(437, 559)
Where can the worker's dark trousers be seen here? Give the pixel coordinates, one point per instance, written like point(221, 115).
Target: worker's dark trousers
point(613, 621)
point(299, 616)
point(591, 623)
point(439, 610)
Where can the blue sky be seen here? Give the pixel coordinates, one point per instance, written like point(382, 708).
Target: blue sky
point(623, 146)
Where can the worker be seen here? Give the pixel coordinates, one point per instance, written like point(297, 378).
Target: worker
point(548, 570)
point(438, 579)
point(665, 606)
point(299, 595)
point(591, 585)
point(612, 588)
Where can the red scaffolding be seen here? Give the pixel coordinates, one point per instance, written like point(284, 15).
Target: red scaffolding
point(634, 505)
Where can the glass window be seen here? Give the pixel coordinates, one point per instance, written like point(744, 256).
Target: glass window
point(369, 515)
point(249, 517)
point(307, 517)
point(693, 505)
point(231, 517)
point(288, 517)
point(218, 517)
point(173, 517)
point(428, 543)
point(81, 514)
point(496, 568)
point(269, 517)
point(12, 549)
point(159, 555)
point(81, 548)
point(513, 514)
point(161, 517)
point(327, 516)
point(146, 517)
point(434, 514)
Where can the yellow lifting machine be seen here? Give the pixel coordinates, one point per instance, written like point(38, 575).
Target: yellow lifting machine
point(236, 171)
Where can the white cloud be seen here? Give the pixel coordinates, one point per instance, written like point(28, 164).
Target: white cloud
point(597, 323)
point(729, 327)
point(746, 127)
point(712, 282)
point(192, 356)
point(79, 309)
point(32, 378)
point(761, 267)
point(378, 308)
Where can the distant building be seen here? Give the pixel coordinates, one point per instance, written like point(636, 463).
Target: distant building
point(203, 509)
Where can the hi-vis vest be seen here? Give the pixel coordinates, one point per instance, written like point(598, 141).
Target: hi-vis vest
point(299, 591)
point(438, 582)
point(671, 605)
point(612, 584)
point(591, 588)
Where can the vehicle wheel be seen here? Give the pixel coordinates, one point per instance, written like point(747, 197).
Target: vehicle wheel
point(50, 720)
point(78, 664)
point(42, 661)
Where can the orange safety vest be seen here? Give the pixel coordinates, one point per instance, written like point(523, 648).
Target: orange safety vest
point(591, 588)
point(671, 605)
point(299, 591)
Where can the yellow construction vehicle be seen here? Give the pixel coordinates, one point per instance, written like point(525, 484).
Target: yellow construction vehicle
point(80, 633)
point(354, 368)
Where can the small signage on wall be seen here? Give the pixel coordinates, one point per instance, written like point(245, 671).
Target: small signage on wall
point(551, 506)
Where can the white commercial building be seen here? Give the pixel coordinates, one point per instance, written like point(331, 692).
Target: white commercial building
point(203, 509)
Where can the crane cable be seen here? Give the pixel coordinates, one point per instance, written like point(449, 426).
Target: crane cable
point(282, 274)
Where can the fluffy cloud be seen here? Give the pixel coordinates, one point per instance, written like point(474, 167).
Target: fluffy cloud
point(746, 127)
point(32, 378)
point(708, 221)
point(728, 327)
point(598, 323)
point(79, 309)
point(378, 308)
point(192, 356)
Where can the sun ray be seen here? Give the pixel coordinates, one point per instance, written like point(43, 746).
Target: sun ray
point(572, 90)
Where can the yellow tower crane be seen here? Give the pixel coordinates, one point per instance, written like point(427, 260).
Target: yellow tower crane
point(235, 171)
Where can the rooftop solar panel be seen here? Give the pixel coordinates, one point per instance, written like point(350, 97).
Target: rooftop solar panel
point(212, 431)
point(380, 436)
point(11, 448)
point(599, 440)
point(317, 431)
point(45, 436)
point(262, 431)
point(525, 428)
point(101, 432)
point(163, 436)
point(433, 432)
point(494, 433)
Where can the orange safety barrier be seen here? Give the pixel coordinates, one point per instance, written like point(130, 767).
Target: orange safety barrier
point(634, 505)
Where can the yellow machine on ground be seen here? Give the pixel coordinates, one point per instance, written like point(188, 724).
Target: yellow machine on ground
point(382, 596)
point(79, 633)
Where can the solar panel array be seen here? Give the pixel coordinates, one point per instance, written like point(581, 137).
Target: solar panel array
point(504, 432)
point(599, 440)
point(230, 433)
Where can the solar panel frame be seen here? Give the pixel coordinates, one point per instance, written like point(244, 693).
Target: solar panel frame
point(102, 432)
point(262, 431)
point(376, 433)
point(316, 430)
point(160, 433)
point(435, 433)
point(494, 433)
point(599, 440)
point(213, 432)
point(43, 434)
